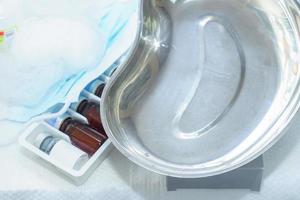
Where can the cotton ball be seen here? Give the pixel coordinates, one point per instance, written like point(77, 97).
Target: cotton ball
point(68, 43)
point(61, 8)
point(47, 52)
point(25, 84)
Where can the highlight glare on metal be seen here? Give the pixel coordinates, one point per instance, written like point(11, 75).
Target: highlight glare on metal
point(209, 85)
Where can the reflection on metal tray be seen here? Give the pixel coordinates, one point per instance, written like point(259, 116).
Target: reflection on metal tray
point(209, 86)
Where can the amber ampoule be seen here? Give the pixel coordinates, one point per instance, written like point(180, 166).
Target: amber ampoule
point(99, 90)
point(91, 110)
point(97, 87)
point(81, 135)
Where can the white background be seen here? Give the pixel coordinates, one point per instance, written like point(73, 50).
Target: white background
point(117, 178)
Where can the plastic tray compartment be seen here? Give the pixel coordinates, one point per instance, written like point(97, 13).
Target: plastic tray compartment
point(78, 177)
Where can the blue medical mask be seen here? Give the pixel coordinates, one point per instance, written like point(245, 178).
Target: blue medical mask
point(34, 82)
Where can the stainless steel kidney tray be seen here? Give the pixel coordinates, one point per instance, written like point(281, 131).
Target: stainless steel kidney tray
point(209, 85)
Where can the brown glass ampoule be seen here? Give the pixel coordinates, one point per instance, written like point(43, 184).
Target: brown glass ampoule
point(91, 110)
point(97, 87)
point(82, 136)
point(99, 90)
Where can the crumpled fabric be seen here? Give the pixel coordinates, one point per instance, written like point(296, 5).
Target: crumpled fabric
point(51, 57)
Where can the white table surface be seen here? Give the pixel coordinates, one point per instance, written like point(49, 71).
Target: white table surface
point(117, 178)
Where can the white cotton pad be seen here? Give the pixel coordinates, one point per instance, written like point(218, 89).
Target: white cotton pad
point(56, 49)
point(72, 43)
point(45, 54)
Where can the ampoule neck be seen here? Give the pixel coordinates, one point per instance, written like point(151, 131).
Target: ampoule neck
point(64, 125)
point(81, 106)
